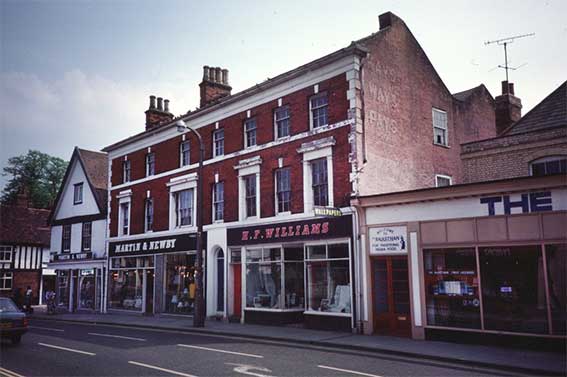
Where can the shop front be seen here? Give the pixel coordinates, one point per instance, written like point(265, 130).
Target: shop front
point(470, 261)
point(153, 275)
point(79, 281)
point(295, 272)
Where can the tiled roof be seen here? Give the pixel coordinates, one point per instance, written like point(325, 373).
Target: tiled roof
point(549, 113)
point(24, 225)
point(96, 166)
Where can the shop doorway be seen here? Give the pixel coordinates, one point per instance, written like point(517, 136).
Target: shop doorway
point(149, 305)
point(390, 285)
point(220, 281)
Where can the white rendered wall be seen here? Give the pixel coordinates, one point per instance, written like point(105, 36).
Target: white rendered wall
point(66, 208)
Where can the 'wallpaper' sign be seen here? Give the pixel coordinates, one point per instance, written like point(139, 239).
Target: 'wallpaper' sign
point(388, 240)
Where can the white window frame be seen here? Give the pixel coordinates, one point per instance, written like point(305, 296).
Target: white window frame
point(83, 236)
point(6, 250)
point(181, 153)
point(126, 171)
point(441, 176)
point(317, 149)
point(255, 130)
point(177, 184)
point(151, 155)
point(124, 198)
point(215, 202)
point(545, 160)
point(70, 227)
point(250, 166)
point(148, 228)
point(5, 277)
point(215, 141)
point(276, 120)
point(444, 128)
point(78, 193)
point(311, 109)
point(276, 184)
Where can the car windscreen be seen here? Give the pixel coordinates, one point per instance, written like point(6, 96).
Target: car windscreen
point(6, 305)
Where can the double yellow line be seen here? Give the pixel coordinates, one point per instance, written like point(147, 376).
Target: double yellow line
point(8, 373)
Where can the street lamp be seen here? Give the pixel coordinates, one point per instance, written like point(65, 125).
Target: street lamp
point(199, 316)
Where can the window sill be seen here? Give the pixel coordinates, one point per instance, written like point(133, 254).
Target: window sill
point(286, 213)
point(218, 221)
point(274, 310)
point(335, 314)
point(441, 145)
point(75, 203)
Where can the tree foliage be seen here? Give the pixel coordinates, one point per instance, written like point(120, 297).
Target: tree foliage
point(38, 173)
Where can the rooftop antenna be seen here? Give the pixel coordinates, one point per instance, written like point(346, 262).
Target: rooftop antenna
point(504, 42)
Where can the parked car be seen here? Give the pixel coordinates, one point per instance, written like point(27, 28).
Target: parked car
point(13, 322)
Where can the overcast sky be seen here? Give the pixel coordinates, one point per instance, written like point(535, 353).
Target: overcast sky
point(80, 72)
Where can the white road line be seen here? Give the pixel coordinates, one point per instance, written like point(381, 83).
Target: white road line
point(117, 336)
point(222, 351)
point(348, 371)
point(46, 328)
point(67, 349)
point(161, 369)
point(9, 373)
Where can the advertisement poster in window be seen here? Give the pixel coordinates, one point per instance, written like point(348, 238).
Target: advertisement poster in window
point(388, 240)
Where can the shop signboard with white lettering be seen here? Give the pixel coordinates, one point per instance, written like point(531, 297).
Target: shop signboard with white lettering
point(155, 245)
point(388, 240)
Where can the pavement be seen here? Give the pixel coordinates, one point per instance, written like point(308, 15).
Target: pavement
point(507, 359)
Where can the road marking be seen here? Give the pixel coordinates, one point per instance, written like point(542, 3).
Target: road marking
point(117, 336)
point(349, 371)
point(161, 369)
point(249, 370)
point(46, 328)
point(9, 373)
point(222, 351)
point(67, 349)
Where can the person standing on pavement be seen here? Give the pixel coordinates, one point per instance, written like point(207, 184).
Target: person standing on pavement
point(28, 300)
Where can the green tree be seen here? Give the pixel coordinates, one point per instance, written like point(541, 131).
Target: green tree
point(39, 173)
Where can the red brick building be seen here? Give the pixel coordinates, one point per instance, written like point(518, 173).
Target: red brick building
point(280, 158)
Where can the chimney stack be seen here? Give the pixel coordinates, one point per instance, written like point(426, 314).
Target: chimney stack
point(508, 107)
point(157, 115)
point(214, 85)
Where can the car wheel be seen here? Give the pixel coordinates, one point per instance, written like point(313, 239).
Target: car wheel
point(16, 339)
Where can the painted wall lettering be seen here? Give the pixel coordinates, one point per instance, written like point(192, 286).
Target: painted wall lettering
point(525, 203)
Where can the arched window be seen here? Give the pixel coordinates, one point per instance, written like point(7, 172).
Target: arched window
point(220, 280)
point(549, 165)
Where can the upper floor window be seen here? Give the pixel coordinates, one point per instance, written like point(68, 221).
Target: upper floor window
point(125, 218)
point(86, 236)
point(218, 142)
point(549, 166)
point(126, 171)
point(149, 215)
point(318, 109)
point(282, 120)
point(283, 190)
point(6, 279)
point(250, 190)
point(184, 153)
point(5, 253)
point(218, 201)
point(150, 164)
point(183, 207)
point(440, 136)
point(249, 133)
point(66, 239)
point(319, 182)
point(443, 180)
point(78, 193)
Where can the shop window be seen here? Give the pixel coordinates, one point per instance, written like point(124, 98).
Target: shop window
point(183, 208)
point(66, 239)
point(549, 166)
point(88, 297)
point(328, 278)
point(440, 127)
point(180, 283)
point(78, 193)
point(218, 143)
point(126, 168)
point(6, 254)
point(281, 121)
point(283, 190)
point(451, 288)
point(319, 105)
point(62, 295)
point(6, 279)
point(184, 153)
point(556, 256)
point(250, 133)
point(273, 282)
point(86, 236)
point(218, 201)
point(149, 215)
point(513, 289)
point(125, 290)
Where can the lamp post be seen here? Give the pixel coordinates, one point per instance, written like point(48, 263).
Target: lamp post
point(199, 316)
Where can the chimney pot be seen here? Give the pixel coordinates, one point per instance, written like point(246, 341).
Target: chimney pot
point(225, 76)
point(218, 75)
point(160, 104)
point(205, 73)
point(508, 108)
point(152, 102)
point(504, 87)
point(511, 88)
point(166, 105)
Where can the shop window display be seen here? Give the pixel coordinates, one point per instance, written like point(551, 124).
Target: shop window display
point(556, 256)
point(451, 288)
point(180, 283)
point(513, 289)
point(63, 288)
point(126, 289)
point(328, 278)
point(87, 293)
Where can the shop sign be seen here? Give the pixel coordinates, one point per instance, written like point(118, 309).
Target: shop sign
point(327, 212)
point(335, 227)
point(388, 240)
point(72, 256)
point(157, 245)
point(526, 203)
point(87, 272)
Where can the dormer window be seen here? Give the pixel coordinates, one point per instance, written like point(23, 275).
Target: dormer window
point(78, 193)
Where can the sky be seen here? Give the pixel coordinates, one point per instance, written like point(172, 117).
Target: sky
point(79, 73)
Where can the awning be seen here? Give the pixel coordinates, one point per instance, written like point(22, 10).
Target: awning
point(77, 265)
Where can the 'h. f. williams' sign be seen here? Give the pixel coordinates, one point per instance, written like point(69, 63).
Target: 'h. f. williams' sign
point(157, 245)
point(293, 231)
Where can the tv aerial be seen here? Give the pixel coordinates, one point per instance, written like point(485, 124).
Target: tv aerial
point(504, 42)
